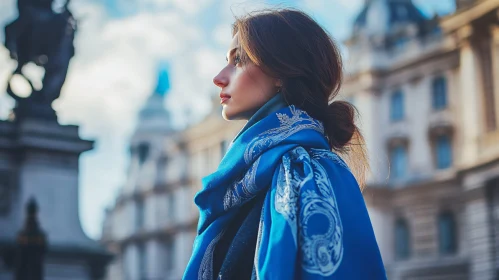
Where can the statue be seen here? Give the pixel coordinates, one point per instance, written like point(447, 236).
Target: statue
point(31, 246)
point(44, 37)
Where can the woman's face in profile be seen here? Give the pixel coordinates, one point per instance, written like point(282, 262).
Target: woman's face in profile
point(244, 88)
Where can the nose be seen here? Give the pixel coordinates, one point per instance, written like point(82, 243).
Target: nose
point(221, 80)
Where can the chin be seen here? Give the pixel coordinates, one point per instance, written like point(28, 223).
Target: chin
point(228, 115)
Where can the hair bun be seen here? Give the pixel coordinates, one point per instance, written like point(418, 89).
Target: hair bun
point(340, 125)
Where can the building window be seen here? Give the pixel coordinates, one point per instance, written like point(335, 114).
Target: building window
point(139, 214)
point(439, 92)
point(398, 159)
point(402, 12)
point(447, 234)
point(142, 262)
point(400, 42)
point(397, 106)
point(163, 163)
point(402, 240)
point(443, 148)
point(143, 152)
point(162, 171)
point(171, 207)
point(170, 255)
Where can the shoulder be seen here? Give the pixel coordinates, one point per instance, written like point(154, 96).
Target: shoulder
point(319, 167)
point(299, 162)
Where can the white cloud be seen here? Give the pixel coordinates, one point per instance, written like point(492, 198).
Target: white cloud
point(191, 7)
point(7, 13)
point(222, 35)
point(349, 5)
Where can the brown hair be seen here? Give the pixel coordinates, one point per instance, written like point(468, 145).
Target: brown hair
point(289, 45)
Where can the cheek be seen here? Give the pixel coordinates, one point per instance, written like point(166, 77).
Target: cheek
point(241, 82)
point(253, 83)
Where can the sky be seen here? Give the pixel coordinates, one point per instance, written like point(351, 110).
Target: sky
point(119, 44)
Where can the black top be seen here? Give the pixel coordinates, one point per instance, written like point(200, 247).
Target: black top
point(235, 252)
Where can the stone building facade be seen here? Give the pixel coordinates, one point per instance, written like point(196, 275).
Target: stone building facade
point(428, 93)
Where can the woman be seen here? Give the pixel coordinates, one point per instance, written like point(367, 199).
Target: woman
point(282, 204)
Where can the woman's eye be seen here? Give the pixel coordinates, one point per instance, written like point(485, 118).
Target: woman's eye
point(237, 59)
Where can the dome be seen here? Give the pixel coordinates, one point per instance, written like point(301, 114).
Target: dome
point(380, 16)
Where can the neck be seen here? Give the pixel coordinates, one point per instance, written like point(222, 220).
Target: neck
point(274, 104)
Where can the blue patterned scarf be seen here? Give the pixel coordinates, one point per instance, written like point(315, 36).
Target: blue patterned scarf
point(314, 223)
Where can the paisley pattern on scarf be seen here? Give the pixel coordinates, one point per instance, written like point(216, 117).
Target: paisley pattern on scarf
point(319, 154)
point(287, 195)
point(242, 190)
point(322, 249)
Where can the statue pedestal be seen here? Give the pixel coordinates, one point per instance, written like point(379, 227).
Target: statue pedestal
point(39, 158)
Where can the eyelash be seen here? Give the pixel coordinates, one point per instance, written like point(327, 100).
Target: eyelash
point(237, 59)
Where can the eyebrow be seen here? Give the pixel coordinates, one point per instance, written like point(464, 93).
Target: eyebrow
point(231, 52)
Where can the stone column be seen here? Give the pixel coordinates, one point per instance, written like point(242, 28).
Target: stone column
point(470, 98)
point(494, 31)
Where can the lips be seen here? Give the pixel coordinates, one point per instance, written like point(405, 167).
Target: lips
point(224, 97)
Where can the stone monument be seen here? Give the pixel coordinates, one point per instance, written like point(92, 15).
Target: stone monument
point(31, 247)
point(38, 156)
